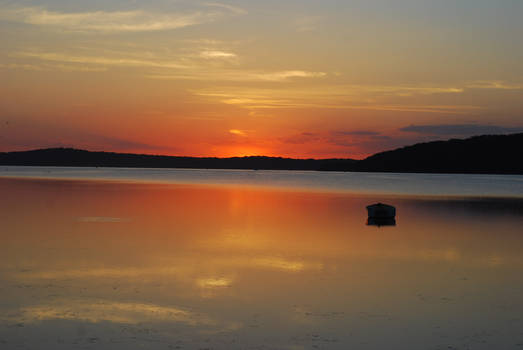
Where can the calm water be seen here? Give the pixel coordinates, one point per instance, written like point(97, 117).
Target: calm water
point(378, 183)
point(205, 260)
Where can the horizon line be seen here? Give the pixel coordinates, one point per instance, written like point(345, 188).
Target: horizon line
point(254, 156)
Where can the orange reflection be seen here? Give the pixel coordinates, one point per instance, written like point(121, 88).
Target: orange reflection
point(210, 257)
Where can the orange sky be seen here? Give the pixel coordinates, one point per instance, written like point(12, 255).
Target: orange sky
point(298, 79)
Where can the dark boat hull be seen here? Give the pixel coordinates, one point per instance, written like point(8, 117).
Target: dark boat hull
point(381, 211)
point(381, 222)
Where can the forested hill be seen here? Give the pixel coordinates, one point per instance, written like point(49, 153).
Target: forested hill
point(488, 154)
point(80, 158)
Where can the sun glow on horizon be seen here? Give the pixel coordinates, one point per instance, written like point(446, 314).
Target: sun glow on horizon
point(240, 151)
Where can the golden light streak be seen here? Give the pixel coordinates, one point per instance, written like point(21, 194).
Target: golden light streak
point(112, 311)
point(237, 132)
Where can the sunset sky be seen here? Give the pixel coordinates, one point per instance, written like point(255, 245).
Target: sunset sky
point(307, 78)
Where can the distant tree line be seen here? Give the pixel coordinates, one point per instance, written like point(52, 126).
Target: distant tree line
point(492, 154)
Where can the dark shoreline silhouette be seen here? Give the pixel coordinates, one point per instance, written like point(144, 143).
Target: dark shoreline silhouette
point(487, 154)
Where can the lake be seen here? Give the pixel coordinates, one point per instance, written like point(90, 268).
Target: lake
point(225, 259)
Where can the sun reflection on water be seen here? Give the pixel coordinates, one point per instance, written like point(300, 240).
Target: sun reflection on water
point(243, 268)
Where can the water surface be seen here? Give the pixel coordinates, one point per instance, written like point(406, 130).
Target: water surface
point(377, 183)
point(118, 265)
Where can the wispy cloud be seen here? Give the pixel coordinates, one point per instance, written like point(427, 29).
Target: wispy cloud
point(302, 138)
point(180, 67)
point(234, 9)
point(335, 137)
point(460, 129)
point(116, 21)
point(238, 132)
point(102, 60)
point(30, 67)
point(52, 67)
point(101, 219)
point(370, 97)
point(211, 283)
point(439, 109)
point(214, 54)
point(74, 68)
point(494, 85)
point(239, 75)
point(412, 90)
point(307, 23)
point(356, 132)
point(288, 74)
point(327, 97)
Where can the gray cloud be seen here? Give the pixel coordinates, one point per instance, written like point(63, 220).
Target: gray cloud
point(460, 129)
point(304, 137)
point(356, 133)
point(356, 138)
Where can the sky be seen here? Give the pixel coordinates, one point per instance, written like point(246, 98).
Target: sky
point(293, 78)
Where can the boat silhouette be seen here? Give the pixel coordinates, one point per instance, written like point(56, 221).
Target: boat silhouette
point(381, 215)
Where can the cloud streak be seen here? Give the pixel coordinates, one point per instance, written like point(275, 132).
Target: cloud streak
point(180, 68)
point(307, 23)
point(356, 133)
point(285, 75)
point(237, 132)
point(102, 60)
point(115, 21)
point(239, 75)
point(460, 129)
point(323, 97)
point(494, 85)
point(217, 55)
point(234, 9)
point(367, 97)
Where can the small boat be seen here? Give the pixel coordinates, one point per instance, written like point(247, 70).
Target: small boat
point(381, 211)
point(381, 215)
point(381, 222)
